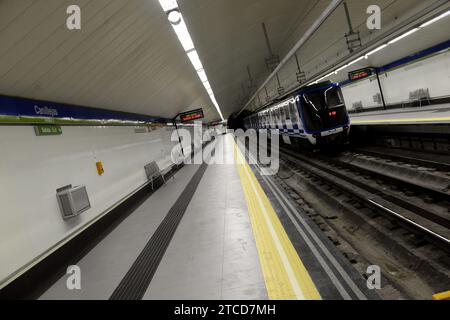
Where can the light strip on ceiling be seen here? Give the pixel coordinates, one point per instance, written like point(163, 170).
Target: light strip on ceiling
point(356, 61)
point(168, 5)
point(377, 49)
point(207, 85)
point(195, 60)
point(406, 34)
point(202, 75)
point(175, 18)
point(426, 24)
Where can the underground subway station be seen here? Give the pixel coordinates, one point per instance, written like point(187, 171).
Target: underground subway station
point(225, 158)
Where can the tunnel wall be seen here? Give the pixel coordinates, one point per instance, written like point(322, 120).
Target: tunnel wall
point(33, 167)
point(432, 73)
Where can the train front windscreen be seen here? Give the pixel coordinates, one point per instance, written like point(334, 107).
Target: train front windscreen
point(323, 109)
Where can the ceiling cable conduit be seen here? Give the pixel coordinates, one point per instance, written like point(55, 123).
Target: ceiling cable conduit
point(375, 45)
point(316, 25)
point(380, 42)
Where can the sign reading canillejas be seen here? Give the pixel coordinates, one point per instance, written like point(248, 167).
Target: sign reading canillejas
point(29, 111)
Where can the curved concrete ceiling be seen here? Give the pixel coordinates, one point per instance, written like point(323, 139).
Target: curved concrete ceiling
point(127, 57)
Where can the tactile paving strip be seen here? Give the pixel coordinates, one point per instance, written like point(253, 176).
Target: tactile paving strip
point(135, 283)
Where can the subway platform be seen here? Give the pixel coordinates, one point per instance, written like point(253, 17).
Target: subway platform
point(215, 232)
point(426, 114)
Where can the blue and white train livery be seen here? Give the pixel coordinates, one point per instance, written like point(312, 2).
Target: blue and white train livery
point(314, 114)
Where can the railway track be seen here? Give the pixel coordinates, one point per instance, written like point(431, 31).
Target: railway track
point(431, 161)
point(417, 206)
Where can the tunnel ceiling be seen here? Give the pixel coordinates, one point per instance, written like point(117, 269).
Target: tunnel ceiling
point(126, 56)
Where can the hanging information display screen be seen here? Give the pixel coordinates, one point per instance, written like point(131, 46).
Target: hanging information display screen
point(191, 115)
point(360, 74)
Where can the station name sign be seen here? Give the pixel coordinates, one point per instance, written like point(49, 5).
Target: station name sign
point(192, 115)
point(21, 110)
point(360, 74)
point(48, 130)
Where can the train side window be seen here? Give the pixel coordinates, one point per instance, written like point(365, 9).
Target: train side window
point(277, 115)
point(287, 113)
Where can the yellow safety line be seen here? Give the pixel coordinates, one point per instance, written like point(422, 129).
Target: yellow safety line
point(285, 275)
point(401, 120)
point(442, 296)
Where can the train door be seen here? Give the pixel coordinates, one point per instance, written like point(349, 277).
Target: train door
point(295, 117)
point(280, 115)
point(298, 108)
point(276, 116)
point(272, 119)
point(282, 118)
point(288, 121)
point(266, 122)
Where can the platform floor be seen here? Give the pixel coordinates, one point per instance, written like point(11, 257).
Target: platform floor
point(433, 114)
point(239, 238)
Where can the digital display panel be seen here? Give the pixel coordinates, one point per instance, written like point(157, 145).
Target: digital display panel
point(360, 74)
point(191, 115)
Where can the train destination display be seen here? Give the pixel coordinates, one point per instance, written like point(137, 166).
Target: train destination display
point(192, 115)
point(360, 74)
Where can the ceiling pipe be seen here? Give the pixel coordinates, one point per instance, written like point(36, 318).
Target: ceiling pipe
point(316, 25)
point(266, 36)
point(435, 9)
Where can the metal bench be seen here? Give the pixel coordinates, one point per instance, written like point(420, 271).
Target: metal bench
point(419, 95)
point(357, 106)
point(152, 170)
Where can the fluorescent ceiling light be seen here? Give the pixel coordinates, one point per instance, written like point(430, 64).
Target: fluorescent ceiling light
point(403, 36)
point(382, 47)
point(193, 56)
point(168, 5)
point(357, 60)
point(183, 35)
point(213, 99)
point(341, 68)
point(207, 85)
point(377, 49)
point(426, 24)
point(175, 18)
point(202, 75)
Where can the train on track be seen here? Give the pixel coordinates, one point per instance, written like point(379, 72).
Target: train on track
point(314, 115)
